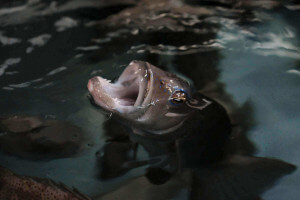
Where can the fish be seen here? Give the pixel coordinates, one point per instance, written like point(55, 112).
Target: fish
point(155, 102)
point(186, 135)
point(13, 186)
point(169, 118)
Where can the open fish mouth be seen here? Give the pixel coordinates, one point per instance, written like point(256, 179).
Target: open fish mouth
point(128, 94)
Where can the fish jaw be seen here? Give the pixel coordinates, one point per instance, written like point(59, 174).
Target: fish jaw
point(127, 95)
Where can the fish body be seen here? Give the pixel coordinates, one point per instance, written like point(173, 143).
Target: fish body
point(167, 117)
point(154, 102)
point(15, 187)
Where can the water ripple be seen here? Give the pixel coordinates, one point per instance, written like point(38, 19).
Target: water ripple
point(174, 50)
point(7, 63)
point(5, 40)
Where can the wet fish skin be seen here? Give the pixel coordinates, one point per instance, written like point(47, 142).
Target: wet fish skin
point(17, 187)
point(153, 101)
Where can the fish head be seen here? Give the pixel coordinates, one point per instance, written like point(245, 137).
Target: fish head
point(151, 99)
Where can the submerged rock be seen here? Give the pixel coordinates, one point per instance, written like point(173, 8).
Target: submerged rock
point(19, 124)
point(31, 137)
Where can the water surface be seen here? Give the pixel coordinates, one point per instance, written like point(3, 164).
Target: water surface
point(245, 56)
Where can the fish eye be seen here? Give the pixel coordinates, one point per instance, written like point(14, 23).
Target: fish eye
point(178, 97)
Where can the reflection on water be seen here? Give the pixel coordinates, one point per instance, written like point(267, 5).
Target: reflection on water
point(244, 54)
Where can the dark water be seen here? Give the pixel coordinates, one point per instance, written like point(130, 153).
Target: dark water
point(245, 56)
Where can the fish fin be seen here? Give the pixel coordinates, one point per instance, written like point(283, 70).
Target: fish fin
point(157, 176)
point(112, 159)
point(238, 178)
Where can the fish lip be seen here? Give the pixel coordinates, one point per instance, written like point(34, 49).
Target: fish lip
point(144, 87)
point(92, 101)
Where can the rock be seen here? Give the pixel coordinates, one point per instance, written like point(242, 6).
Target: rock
point(33, 138)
